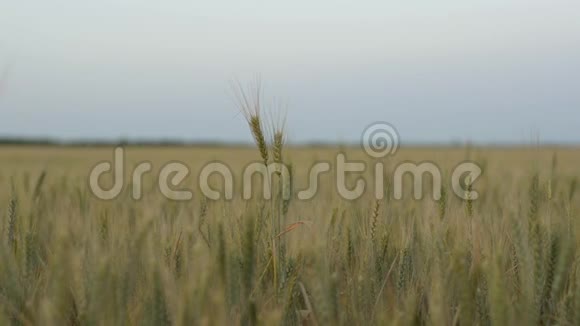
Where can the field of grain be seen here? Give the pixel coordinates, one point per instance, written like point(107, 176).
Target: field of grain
point(510, 257)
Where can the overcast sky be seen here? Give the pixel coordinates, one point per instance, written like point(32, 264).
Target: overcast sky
point(440, 71)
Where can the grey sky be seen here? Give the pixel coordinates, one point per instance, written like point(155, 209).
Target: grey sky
point(440, 71)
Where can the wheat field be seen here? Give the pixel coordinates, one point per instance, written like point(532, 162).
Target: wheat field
point(68, 258)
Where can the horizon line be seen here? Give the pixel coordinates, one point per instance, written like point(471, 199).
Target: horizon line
point(52, 141)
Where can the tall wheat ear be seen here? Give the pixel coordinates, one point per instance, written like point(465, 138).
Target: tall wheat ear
point(249, 101)
point(278, 131)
